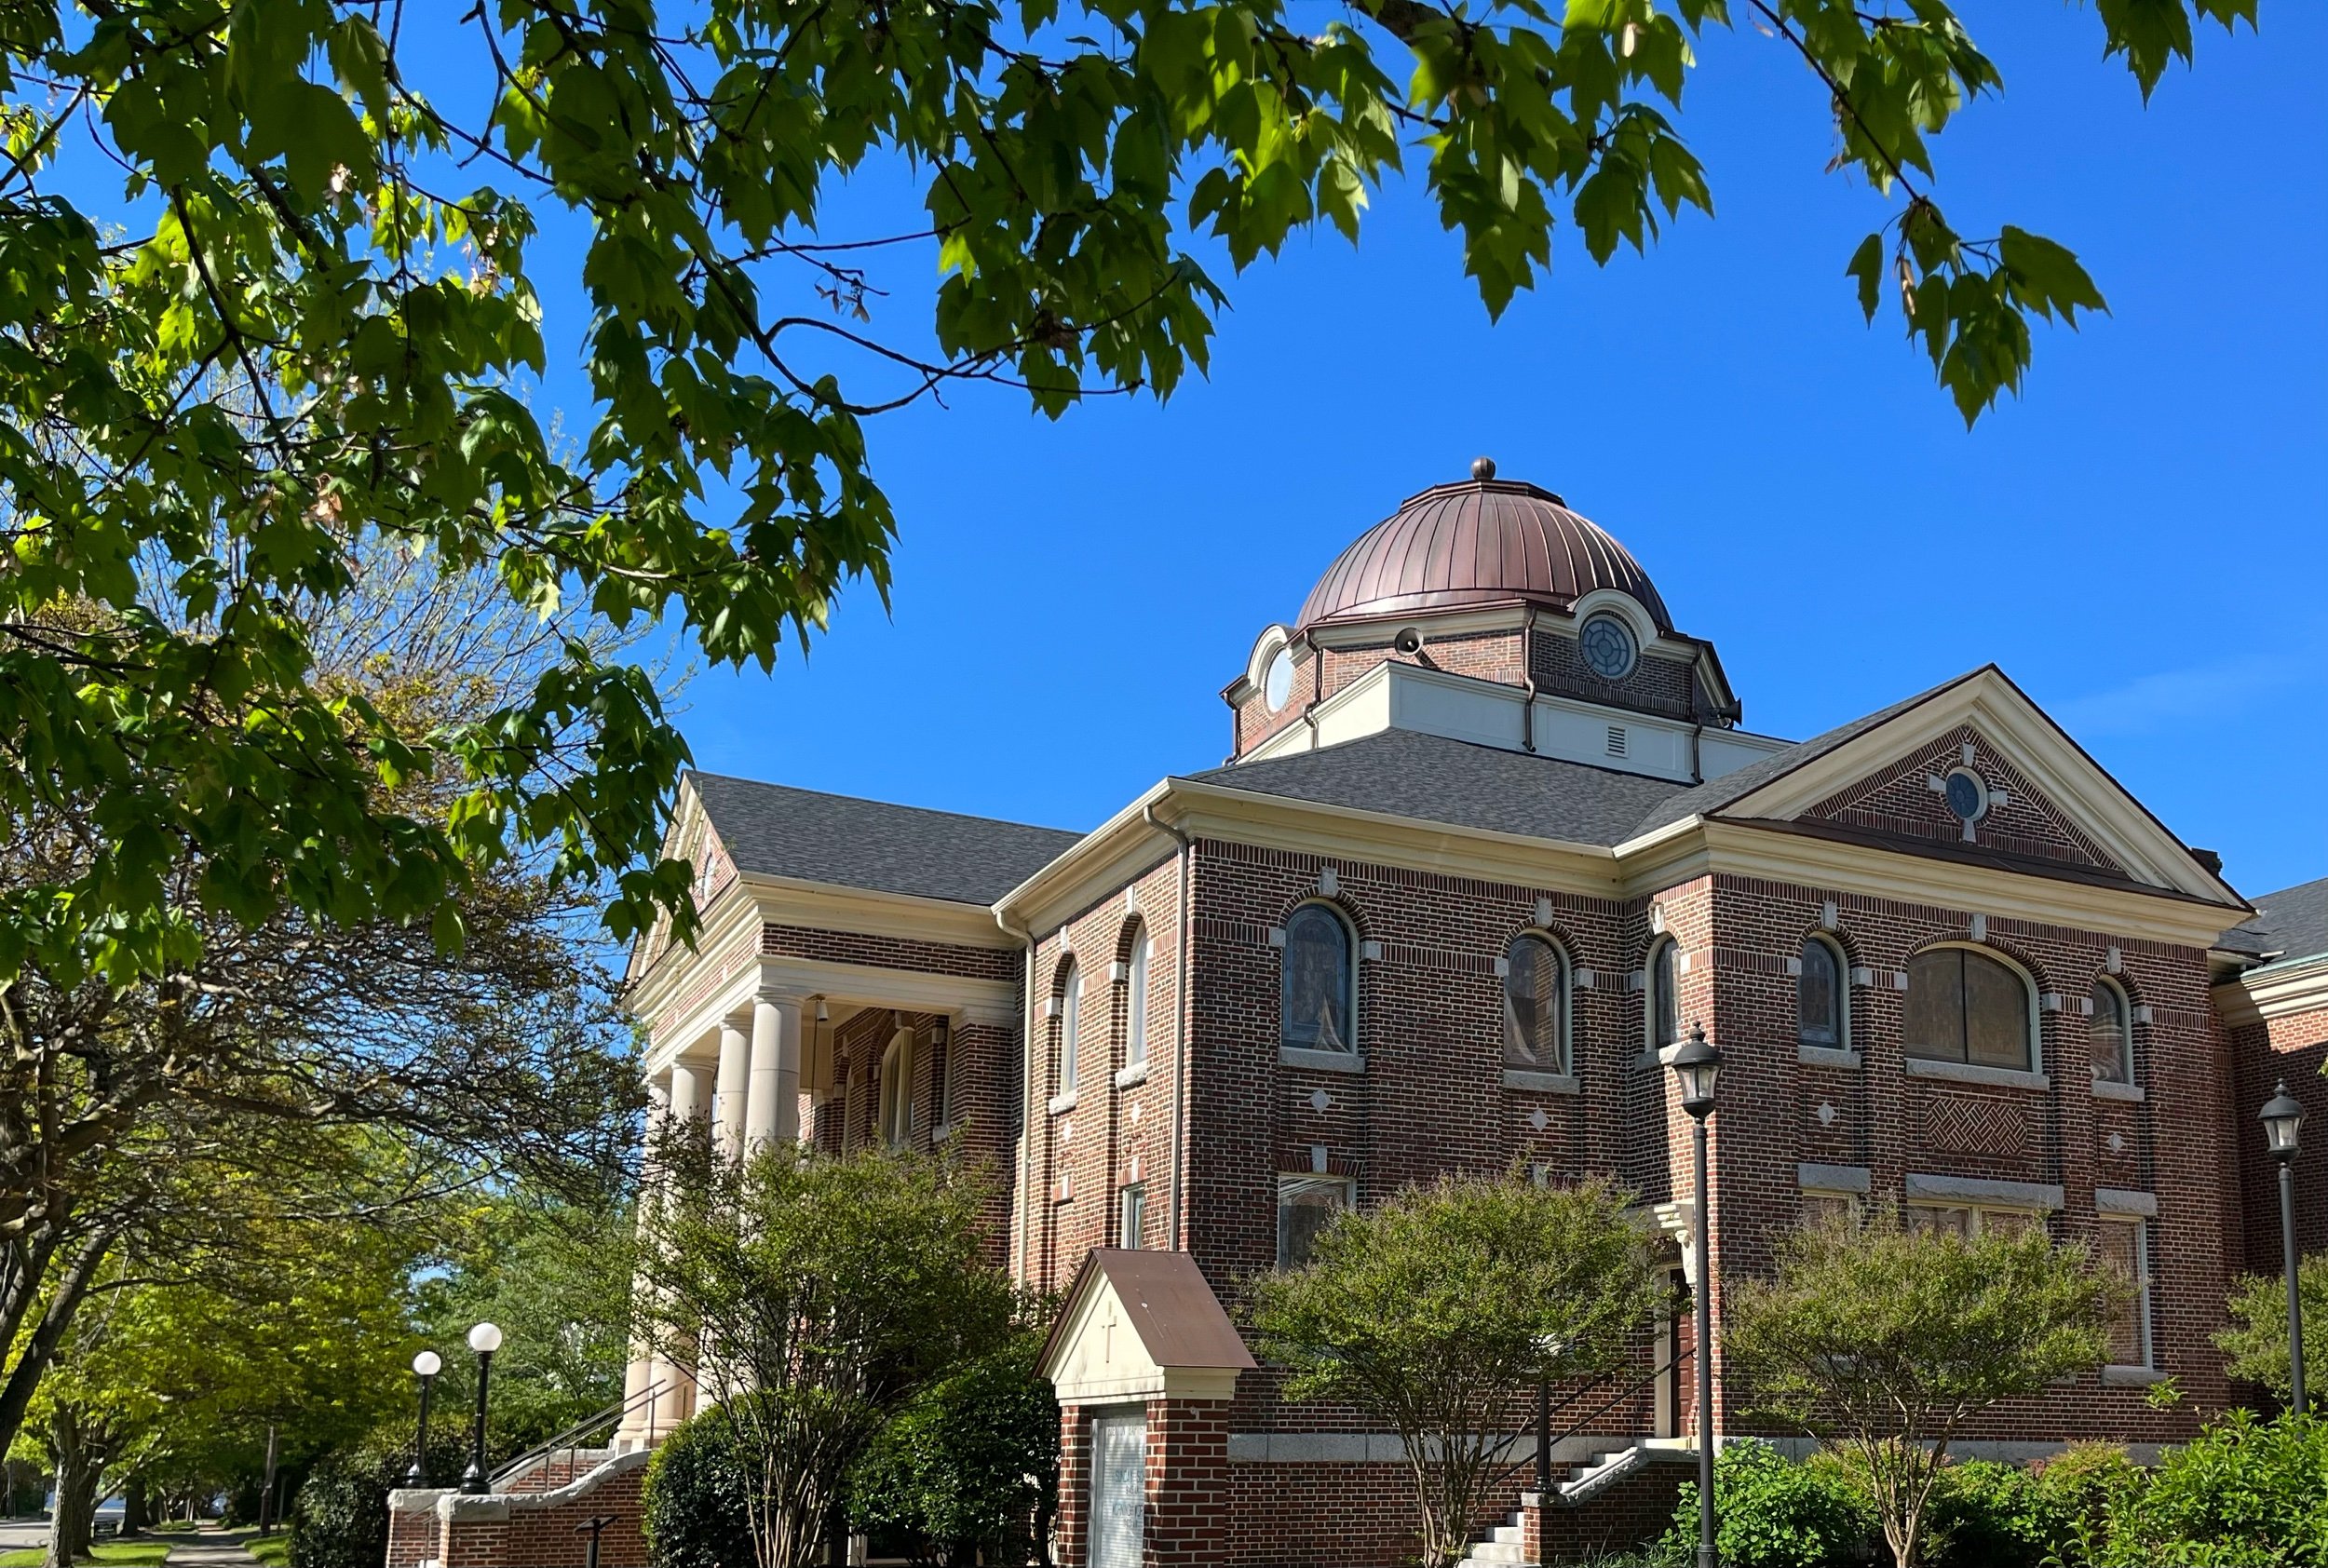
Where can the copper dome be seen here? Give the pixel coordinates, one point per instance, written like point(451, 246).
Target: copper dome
point(1483, 541)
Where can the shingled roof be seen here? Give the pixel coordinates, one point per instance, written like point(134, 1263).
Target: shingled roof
point(776, 831)
point(2290, 923)
point(1431, 779)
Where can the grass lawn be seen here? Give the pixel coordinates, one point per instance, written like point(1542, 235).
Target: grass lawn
point(123, 1554)
point(274, 1551)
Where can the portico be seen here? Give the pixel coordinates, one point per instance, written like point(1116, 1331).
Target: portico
point(816, 1012)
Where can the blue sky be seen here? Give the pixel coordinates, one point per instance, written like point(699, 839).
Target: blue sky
point(2138, 540)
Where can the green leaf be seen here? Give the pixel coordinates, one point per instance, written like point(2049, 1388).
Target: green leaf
point(1867, 265)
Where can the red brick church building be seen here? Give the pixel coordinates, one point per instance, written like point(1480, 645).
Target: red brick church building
point(1491, 838)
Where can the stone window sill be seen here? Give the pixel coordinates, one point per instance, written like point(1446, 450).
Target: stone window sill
point(1060, 1105)
point(1331, 1061)
point(1545, 1083)
point(1135, 1074)
point(2130, 1377)
point(1661, 1057)
point(1971, 1072)
point(2132, 1093)
point(1826, 1056)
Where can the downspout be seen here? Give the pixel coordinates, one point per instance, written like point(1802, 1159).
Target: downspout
point(1317, 688)
point(1182, 1072)
point(1527, 680)
point(1026, 1084)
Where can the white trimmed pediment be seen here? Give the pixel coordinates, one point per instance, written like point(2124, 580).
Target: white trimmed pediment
point(2010, 728)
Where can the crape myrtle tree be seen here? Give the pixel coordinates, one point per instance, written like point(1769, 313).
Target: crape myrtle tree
point(357, 1068)
point(1429, 1313)
point(816, 1295)
point(1883, 1341)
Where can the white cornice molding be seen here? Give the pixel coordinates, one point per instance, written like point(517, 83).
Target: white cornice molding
point(1093, 867)
point(1990, 704)
point(732, 923)
point(1743, 849)
point(2278, 990)
point(845, 985)
point(790, 901)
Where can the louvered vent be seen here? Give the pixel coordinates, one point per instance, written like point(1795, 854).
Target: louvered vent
point(1616, 740)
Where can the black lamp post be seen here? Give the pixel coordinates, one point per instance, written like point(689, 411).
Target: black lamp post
point(426, 1366)
point(484, 1339)
point(2282, 1117)
point(1696, 1065)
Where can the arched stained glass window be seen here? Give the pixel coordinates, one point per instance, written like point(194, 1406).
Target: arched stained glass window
point(1819, 997)
point(1319, 999)
point(1536, 1006)
point(1966, 1006)
point(1665, 1007)
point(2110, 1035)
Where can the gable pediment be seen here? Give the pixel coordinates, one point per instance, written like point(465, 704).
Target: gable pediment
point(1909, 800)
point(691, 836)
point(2047, 802)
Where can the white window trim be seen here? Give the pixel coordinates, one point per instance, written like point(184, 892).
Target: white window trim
point(2148, 1347)
point(1135, 982)
point(1650, 1044)
point(1299, 1055)
point(1309, 1178)
point(896, 1104)
point(1563, 1041)
point(2112, 1088)
point(1842, 1053)
point(2036, 1023)
point(1070, 1050)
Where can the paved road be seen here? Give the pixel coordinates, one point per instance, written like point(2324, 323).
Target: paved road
point(18, 1534)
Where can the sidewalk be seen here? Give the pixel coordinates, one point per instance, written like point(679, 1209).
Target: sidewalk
point(210, 1548)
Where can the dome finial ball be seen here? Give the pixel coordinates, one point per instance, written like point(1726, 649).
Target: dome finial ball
point(1482, 467)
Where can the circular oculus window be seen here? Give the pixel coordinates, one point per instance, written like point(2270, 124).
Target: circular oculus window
point(1967, 797)
point(1277, 682)
point(1608, 647)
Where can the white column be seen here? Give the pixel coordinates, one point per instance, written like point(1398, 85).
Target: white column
point(689, 1095)
point(637, 1377)
point(772, 1105)
point(734, 1079)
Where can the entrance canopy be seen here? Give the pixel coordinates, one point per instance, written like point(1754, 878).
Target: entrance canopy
point(1140, 1325)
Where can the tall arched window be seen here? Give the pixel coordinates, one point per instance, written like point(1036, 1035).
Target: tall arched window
point(1070, 1026)
point(1966, 1006)
point(1819, 997)
point(1318, 998)
point(1536, 1006)
point(1665, 1006)
point(896, 1088)
point(2110, 1035)
point(1136, 1002)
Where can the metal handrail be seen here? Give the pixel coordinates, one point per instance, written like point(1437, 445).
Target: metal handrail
point(612, 1414)
point(1549, 1443)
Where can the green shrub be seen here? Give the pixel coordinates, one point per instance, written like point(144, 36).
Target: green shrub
point(2246, 1494)
point(2082, 1485)
point(1771, 1513)
point(972, 1467)
point(339, 1516)
point(1987, 1515)
point(695, 1508)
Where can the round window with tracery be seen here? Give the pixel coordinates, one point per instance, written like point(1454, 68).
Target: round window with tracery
point(1608, 647)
